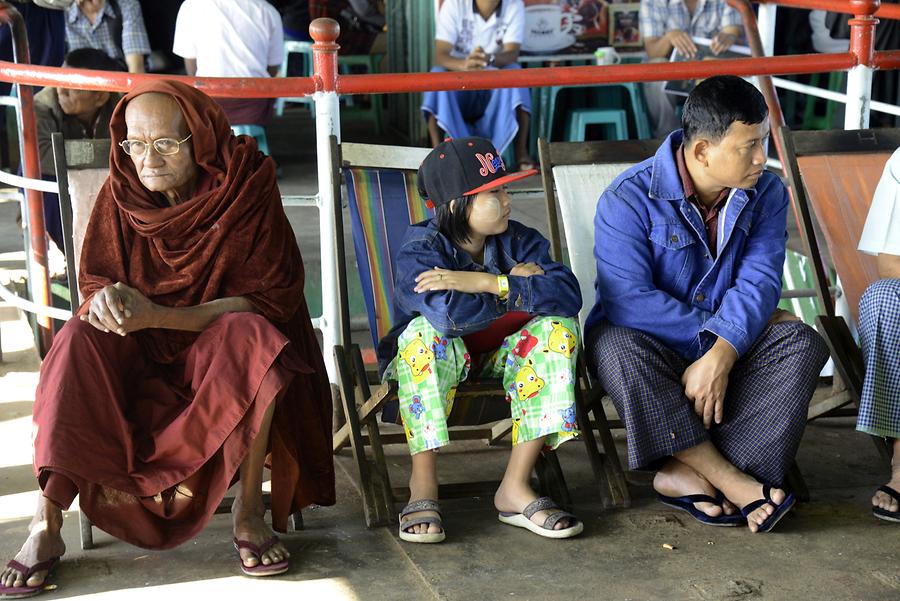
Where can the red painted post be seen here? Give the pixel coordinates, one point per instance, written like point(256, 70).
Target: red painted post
point(39, 276)
point(862, 30)
point(325, 53)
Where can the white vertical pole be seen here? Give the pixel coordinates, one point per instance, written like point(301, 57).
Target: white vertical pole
point(766, 24)
point(859, 95)
point(328, 123)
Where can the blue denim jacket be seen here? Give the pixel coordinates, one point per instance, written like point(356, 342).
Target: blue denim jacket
point(459, 313)
point(655, 272)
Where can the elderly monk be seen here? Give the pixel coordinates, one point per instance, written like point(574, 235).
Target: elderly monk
point(192, 358)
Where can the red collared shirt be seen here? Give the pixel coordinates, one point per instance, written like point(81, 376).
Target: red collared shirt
point(710, 215)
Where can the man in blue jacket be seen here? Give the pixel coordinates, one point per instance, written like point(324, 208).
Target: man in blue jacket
point(711, 379)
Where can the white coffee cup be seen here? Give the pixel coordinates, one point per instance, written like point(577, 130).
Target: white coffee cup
point(607, 55)
point(547, 26)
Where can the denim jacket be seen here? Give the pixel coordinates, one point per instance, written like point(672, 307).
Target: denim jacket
point(655, 272)
point(459, 313)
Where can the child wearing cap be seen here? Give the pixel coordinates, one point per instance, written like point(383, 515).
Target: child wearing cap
point(477, 292)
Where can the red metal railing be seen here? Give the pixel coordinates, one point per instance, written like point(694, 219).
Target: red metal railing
point(327, 79)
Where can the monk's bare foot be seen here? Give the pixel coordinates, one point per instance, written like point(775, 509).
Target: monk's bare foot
point(44, 542)
point(250, 525)
point(513, 497)
point(677, 479)
point(423, 485)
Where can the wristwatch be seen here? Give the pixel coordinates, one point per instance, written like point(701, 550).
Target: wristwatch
point(503, 286)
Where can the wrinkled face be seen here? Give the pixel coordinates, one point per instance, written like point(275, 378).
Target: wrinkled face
point(739, 158)
point(153, 116)
point(81, 103)
point(489, 212)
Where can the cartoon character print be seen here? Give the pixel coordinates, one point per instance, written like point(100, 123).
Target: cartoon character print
point(416, 407)
point(429, 433)
point(561, 339)
point(568, 416)
point(516, 424)
point(527, 383)
point(448, 401)
point(525, 344)
point(419, 359)
point(545, 424)
point(407, 430)
point(439, 348)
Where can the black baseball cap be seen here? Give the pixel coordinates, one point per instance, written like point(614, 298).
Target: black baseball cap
point(462, 166)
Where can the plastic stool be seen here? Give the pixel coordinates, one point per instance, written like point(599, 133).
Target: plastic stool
point(579, 119)
point(256, 132)
point(811, 118)
point(635, 104)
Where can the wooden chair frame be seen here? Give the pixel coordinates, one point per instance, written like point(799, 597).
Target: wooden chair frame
point(845, 352)
point(605, 463)
point(363, 399)
point(94, 154)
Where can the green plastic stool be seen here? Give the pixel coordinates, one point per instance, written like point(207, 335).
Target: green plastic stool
point(635, 102)
point(578, 120)
point(254, 131)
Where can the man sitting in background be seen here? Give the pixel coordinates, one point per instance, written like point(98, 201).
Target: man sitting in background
point(77, 114)
point(115, 26)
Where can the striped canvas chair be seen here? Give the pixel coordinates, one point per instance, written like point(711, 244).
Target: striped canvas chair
point(382, 199)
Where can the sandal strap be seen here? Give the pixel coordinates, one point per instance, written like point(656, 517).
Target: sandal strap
point(555, 517)
point(27, 571)
point(890, 492)
point(540, 504)
point(701, 498)
point(766, 500)
point(257, 551)
point(430, 519)
point(421, 505)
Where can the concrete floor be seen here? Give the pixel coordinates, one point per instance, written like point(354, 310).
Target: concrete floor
point(829, 549)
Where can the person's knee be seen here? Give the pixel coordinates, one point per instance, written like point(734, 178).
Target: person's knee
point(880, 298)
point(244, 324)
point(616, 350)
point(805, 342)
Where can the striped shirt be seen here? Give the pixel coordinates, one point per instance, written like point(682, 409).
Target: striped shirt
point(710, 16)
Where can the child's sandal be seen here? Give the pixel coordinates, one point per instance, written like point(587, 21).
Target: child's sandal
point(426, 537)
point(547, 529)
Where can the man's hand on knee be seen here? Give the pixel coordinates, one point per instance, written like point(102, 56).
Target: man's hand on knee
point(706, 381)
point(107, 311)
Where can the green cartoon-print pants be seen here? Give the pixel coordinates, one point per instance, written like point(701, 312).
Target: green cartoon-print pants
point(536, 364)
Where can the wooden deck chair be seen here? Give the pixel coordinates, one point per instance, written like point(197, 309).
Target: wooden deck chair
point(82, 167)
point(381, 195)
point(833, 176)
point(575, 174)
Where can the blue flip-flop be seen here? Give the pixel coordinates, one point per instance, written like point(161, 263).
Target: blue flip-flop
point(884, 514)
point(686, 503)
point(781, 509)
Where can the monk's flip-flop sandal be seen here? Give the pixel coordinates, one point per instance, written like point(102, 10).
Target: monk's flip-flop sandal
point(20, 592)
point(547, 529)
point(408, 522)
point(259, 570)
point(884, 514)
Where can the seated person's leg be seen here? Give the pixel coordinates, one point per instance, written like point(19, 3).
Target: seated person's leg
point(879, 410)
point(764, 417)
point(427, 382)
point(537, 365)
point(643, 379)
point(506, 119)
point(660, 109)
point(452, 111)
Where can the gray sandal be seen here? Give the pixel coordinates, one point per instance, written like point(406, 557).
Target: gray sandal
point(523, 520)
point(405, 524)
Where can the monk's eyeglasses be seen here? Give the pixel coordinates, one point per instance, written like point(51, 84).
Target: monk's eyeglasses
point(164, 146)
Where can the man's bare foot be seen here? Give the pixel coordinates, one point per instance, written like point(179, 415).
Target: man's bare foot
point(743, 489)
point(423, 486)
point(250, 525)
point(676, 479)
point(44, 542)
point(514, 497)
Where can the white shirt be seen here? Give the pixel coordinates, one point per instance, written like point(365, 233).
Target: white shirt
point(229, 38)
point(882, 231)
point(458, 23)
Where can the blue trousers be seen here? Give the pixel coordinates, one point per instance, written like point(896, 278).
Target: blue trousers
point(489, 114)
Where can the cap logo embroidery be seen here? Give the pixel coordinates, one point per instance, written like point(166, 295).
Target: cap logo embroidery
point(489, 163)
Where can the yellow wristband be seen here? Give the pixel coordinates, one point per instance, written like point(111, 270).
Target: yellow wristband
point(503, 286)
